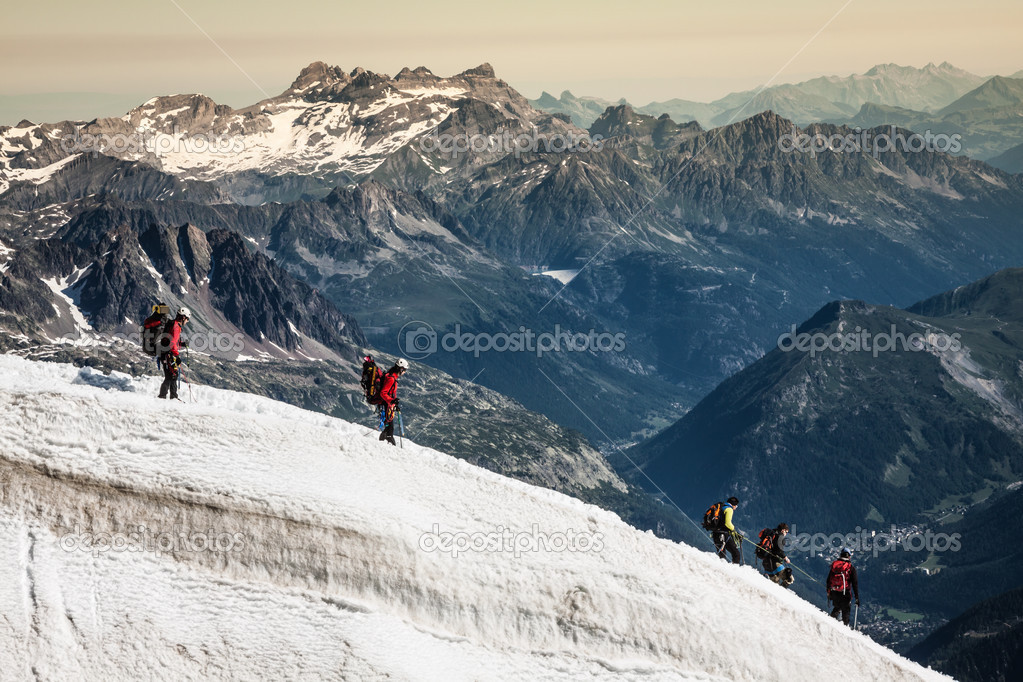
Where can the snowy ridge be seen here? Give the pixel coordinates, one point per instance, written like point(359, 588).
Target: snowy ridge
point(328, 125)
point(316, 138)
point(331, 580)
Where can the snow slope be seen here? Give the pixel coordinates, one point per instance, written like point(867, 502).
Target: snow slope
point(322, 569)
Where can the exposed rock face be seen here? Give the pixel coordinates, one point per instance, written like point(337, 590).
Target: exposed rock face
point(260, 298)
point(115, 281)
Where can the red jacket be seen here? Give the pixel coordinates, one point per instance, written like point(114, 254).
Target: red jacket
point(173, 332)
point(389, 388)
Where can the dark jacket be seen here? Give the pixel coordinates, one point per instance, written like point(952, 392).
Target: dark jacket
point(779, 546)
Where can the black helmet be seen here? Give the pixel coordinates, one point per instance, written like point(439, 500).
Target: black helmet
point(733, 501)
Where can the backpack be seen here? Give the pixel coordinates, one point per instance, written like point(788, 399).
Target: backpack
point(765, 548)
point(163, 343)
point(714, 518)
point(838, 579)
point(372, 380)
point(152, 327)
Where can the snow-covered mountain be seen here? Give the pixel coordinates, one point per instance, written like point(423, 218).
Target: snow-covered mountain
point(237, 538)
point(328, 128)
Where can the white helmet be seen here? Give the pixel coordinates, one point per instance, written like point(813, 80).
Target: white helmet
point(184, 312)
point(402, 362)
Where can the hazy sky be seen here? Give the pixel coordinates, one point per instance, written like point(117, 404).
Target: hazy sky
point(641, 49)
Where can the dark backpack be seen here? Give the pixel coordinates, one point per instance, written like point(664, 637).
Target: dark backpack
point(838, 579)
point(152, 328)
point(163, 343)
point(714, 519)
point(372, 380)
point(765, 547)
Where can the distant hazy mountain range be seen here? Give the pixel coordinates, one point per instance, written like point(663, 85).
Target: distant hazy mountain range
point(927, 89)
point(940, 98)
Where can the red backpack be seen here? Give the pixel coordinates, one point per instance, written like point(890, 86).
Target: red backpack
point(838, 579)
point(765, 548)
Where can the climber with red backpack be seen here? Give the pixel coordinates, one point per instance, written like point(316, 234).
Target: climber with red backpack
point(842, 585)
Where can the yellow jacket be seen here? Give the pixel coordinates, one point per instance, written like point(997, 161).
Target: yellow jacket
point(728, 517)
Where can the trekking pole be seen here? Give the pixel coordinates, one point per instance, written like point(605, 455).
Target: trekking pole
point(401, 431)
point(856, 615)
point(191, 396)
point(188, 359)
point(792, 565)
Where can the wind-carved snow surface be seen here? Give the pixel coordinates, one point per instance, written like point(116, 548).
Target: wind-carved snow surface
point(324, 573)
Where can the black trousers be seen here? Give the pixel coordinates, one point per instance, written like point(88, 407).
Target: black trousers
point(841, 603)
point(170, 375)
point(387, 416)
point(725, 542)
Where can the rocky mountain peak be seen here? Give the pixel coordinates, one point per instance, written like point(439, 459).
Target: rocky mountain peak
point(322, 73)
point(614, 121)
point(417, 74)
point(484, 70)
point(621, 120)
